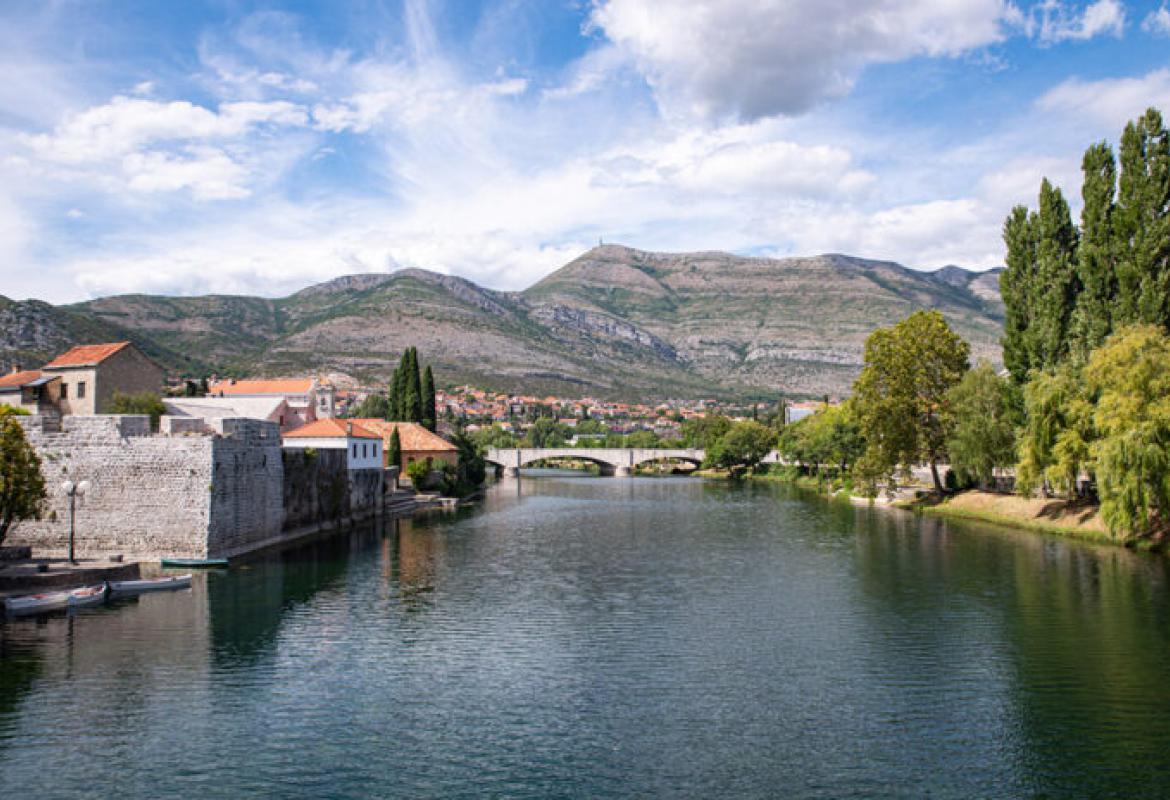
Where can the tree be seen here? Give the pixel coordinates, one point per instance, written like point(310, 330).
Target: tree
point(495, 436)
point(1054, 442)
point(22, 486)
point(986, 413)
point(394, 399)
point(828, 440)
point(1130, 375)
point(901, 395)
point(394, 449)
point(703, 432)
point(429, 417)
point(1141, 223)
point(742, 448)
point(643, 440)
point(140, 403)
point(546, 432)
point(1017, 287)
point(1095, 257)
point(374, 406)
point(1057, 282)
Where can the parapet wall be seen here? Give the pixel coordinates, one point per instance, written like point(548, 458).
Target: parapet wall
point(319, 489)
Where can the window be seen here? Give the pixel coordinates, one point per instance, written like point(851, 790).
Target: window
point(80, 389)
point(64, 390)
point(364, 453)
point(355, 450)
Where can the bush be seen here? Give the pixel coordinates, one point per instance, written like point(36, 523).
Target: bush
point(417, 472)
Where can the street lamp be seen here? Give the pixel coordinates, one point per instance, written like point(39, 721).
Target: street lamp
point(73, 491)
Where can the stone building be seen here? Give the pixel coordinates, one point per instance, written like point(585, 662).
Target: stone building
point(198, 488)
point(418, 444)
point(90, 374)
point(30, 390)
point(362, 448)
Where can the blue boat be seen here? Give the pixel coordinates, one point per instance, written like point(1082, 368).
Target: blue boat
point(194, 563)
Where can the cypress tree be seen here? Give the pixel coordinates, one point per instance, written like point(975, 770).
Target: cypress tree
point(1095, 257)
point(412, 393)
point(394, 450)
point(1142, 224)
point(1016, 286)
point(396, 395)
point(428, 399)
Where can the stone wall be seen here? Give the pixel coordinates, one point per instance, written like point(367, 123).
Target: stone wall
point(198, 496)
point(319, 489)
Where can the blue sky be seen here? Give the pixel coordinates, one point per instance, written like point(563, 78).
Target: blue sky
point(186, 148)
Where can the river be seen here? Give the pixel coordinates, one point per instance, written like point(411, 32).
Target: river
point(614, 637)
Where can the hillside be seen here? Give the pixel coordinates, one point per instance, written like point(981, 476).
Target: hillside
point(615, 322)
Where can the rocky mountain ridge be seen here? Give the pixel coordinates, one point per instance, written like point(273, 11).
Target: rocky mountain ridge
point(615, 322)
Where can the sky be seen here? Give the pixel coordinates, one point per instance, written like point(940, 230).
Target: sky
point(257, 148)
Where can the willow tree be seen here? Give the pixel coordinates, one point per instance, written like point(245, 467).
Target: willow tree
point(22, 486)
point(901, 397)
point(1130, 376)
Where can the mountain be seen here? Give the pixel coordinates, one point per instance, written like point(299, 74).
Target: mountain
point(615, 322)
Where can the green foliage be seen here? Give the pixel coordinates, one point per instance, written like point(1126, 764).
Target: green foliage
point(375, 406)
point(1054, 443)
point(1096, 266)
point(1130, 375)
point(468, 474)
point(13, 410)
point(545, 432)
point(741, 448)
point(429, 417)
point(986, 413)
point(1141, 223)
point(703, 432)
point(495, 436)
point(418, 472)
point(140, 403)
point(643, 440)
point(829, 440)
point(394, 450)
point(22, 486)
point(901, 399)
point(589, 426)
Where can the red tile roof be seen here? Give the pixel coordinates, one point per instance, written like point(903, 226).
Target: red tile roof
point(332, 429)
point(290, 386)
point(18, 379)
point(86, 355)
point(413, 437)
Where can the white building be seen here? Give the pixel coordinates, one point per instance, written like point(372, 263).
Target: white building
point(363, 448)
point(308, 399)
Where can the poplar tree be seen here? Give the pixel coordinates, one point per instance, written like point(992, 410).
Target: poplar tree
point(428, 398)
point(1142, 222)
point(1057, 283)
point(1017, 287)
point(1096, 255)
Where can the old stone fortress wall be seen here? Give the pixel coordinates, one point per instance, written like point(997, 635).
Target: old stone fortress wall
point(198, 488)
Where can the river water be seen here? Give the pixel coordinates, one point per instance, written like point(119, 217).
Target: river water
point(612, 637)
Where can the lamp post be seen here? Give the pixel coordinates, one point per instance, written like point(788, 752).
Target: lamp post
point(73, 491)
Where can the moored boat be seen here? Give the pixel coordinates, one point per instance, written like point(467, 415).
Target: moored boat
point(150, 585)
point(194, 563)
point(37, 603)
point(88, 596)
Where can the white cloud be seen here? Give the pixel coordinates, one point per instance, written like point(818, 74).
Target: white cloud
point(756, 58)
point(207, 171)
point(1110, 102)
point(127, 123)
point(1157, 22)
point(1052, 21)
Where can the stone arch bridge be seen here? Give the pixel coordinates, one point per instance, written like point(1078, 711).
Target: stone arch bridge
point(617, 461)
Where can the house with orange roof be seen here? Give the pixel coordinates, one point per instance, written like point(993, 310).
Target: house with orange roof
point(362, 446)
point(90, 374)
point(308, 398)
point(30, 390)
point(418, 444)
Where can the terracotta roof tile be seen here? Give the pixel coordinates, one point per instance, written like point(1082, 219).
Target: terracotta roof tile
point(86, 355)
point(330, 429)
point(290, 386)
point(412, 436)
point(18, 379)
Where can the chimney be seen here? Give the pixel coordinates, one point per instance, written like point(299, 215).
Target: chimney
point(16, 367)
point(349, 429)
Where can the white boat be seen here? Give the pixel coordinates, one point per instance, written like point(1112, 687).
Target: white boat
point(88, 596)
point(37, 603)
point(56, 601)
point(122, 588)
